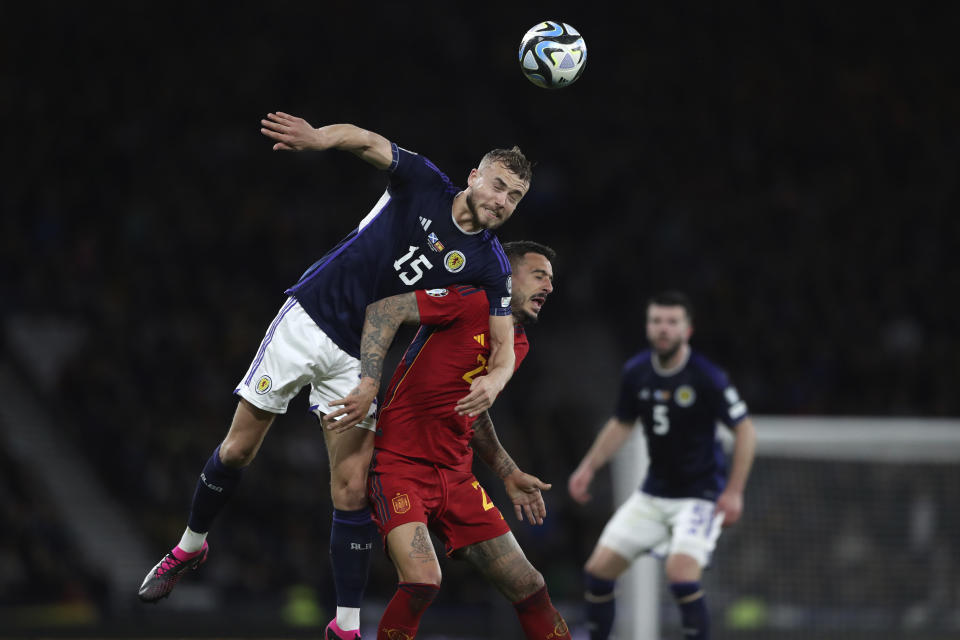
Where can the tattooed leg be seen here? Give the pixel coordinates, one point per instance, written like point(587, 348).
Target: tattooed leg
point(412, 552)
point(502, 563)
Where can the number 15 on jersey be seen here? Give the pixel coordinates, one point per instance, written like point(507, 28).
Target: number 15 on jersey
point(410, 264)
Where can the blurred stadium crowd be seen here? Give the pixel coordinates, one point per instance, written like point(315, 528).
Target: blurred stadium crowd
point(790, 168)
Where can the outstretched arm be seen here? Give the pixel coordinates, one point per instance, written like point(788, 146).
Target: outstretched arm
point(485, 389)
point(380, 325)
point(295, 134)
point(523, 488)
point(607, 443)
point(730, 501)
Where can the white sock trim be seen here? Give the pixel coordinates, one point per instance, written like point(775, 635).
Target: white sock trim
point(348, 618)
point(191, 542)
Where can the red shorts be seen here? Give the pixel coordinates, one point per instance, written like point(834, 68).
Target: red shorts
point(452, 503)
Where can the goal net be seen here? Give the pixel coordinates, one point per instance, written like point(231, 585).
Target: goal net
point(851, 529)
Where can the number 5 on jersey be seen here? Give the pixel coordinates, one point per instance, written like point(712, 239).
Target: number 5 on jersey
point(661, 421)
point(414, 266)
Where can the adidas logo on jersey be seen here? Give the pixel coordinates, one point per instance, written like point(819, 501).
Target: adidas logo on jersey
point(479, 338)
point(425, 223)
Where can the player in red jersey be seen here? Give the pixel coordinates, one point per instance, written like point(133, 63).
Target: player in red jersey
point(421, 478)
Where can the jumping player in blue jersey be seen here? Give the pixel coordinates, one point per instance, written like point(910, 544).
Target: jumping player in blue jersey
point(423, 233)
point(679, 396)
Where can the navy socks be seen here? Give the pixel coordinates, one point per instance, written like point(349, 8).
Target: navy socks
point(351, 540)
point(601, 606)
point(693, 609)
point(216, 485)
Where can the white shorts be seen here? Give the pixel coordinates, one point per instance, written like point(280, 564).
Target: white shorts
point(294, 353)
point(663, 526)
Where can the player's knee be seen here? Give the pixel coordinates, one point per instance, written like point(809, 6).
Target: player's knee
point(683, 567)
point(428, 575)
point(522, 585)
point(236, 454)
point(598, 567)
point(594, 567)
point(590, 566)
point(349, 492)
point(605, 563)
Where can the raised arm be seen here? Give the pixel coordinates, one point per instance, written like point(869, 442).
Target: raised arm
point(614, 433)
point(485, 389)
point(295, 134)
point(730, 501)
point(380, 325)
point(523, 488)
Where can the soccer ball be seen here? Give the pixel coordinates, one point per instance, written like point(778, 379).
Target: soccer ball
point(552, 55)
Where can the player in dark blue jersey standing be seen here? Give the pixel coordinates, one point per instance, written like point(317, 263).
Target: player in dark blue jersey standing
point(423, 233)
point(679, 396)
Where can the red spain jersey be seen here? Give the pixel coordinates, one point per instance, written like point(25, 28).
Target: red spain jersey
point(417, 419)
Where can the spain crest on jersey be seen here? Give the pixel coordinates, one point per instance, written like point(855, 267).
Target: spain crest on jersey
point(401, 503)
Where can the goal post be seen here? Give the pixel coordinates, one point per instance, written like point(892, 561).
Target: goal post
point(851, 529)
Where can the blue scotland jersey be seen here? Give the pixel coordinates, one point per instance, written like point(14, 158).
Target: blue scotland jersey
point(408, 241)
point(679, 413)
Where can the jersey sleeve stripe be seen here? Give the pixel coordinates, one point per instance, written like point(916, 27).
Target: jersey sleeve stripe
point(466, 289)
point(395, 151)
point(738, 411)
point(377, 209)
point(450, 187)
point(501, 255)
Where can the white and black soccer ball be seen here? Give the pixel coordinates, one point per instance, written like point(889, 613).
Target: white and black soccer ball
point(552, 55)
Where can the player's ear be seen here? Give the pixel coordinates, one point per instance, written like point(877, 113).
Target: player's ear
point(472, 176)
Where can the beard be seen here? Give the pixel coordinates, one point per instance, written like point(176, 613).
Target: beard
point(525, 317)
point(671, 350)
point(521, 315)
point(474, 215)
point(492, 224)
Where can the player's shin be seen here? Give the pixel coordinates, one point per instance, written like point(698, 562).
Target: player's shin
point(351, 540)
point(694, 615)
point(601, 606)
point(539, 618)
point(215, 487)
point(401, 618)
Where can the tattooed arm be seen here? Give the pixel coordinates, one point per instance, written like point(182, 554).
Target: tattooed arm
point(487, 445)
point(523, 489)
point(380, 326)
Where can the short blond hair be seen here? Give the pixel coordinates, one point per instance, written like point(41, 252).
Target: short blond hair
point(513, 159)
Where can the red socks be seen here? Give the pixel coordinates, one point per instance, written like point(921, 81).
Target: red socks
point(401, 618)
point(540, 621)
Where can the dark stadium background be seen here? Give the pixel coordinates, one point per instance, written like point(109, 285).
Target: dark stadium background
point(793, 166)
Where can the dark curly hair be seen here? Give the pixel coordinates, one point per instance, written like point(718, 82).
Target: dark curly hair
point(518, 248)
point(673, 298)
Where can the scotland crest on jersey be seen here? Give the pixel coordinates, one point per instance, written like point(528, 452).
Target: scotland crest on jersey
point(685, 395)
point(455, 261)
